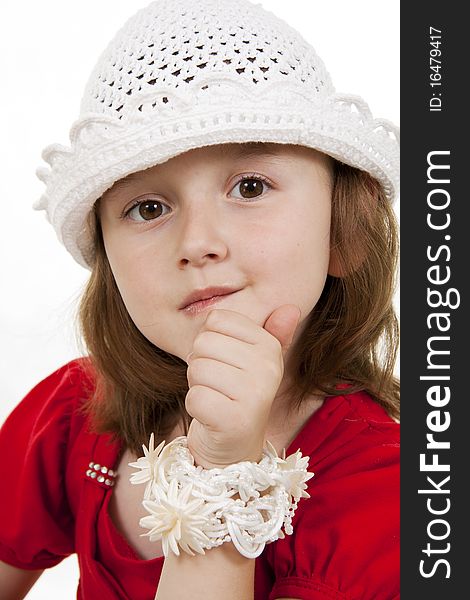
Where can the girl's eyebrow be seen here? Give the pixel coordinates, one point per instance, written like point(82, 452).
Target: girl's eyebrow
point(251, 150)
point(237, 152)
point(124, 182)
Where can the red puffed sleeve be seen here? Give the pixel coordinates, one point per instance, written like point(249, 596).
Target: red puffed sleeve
point(36, 523)
point(345, 544)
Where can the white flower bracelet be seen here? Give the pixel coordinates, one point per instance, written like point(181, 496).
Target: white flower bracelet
point(193, 508)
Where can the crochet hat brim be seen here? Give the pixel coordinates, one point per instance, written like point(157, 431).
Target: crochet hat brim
point(341, 126)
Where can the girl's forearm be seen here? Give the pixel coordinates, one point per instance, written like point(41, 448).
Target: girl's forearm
point(221, 573)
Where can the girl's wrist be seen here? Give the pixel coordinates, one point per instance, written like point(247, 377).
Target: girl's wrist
point(201, 461)
point(195, 509)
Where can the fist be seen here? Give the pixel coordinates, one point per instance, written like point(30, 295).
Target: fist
point(234, 371)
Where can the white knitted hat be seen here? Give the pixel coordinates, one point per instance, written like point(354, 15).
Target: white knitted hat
point(182, 74)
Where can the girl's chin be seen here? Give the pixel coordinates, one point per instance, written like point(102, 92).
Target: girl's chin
point(258, 315)
point(195, 322)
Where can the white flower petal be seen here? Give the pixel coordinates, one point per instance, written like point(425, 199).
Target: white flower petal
point(271, 449)
point(173, 544)
point(137, 478)
point(165, 546)
point(177, 529)
point(187, 549)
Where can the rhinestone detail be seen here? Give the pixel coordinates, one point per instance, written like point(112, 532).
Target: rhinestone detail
point(101, 474)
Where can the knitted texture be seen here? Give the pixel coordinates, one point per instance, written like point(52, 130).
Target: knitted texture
point(182, 74)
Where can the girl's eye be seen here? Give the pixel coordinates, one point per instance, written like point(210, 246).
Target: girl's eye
point(146, 210)
point(251, 187)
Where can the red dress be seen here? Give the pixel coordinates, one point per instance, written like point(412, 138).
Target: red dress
point(345, 544)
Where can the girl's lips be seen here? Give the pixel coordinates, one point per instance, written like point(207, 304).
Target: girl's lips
point(201, 305)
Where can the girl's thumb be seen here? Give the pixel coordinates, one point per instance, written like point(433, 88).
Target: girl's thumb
point(282, 323)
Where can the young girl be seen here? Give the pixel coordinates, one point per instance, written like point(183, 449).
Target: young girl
point(235, 213)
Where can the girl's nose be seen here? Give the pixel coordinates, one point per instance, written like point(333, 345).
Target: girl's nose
point(201, 238)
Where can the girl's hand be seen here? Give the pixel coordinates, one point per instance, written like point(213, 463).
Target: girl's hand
point(234, 372)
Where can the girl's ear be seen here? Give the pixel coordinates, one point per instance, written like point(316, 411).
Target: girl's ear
point(335, 269)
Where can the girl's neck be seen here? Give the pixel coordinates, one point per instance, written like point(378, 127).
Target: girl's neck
point(284, 425)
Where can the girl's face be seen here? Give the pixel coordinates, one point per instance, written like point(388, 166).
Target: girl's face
point(254, 218)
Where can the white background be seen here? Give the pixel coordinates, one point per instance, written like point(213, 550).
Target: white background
point(48, 49)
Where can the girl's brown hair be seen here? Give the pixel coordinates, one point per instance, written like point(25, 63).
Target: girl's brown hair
point(351, 336)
